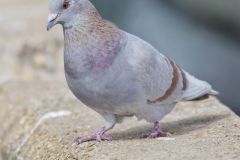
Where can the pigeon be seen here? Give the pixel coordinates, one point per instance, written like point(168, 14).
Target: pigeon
point(118, 74)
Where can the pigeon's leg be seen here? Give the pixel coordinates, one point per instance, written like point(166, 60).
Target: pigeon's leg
point(110, 121)
point(155, 132)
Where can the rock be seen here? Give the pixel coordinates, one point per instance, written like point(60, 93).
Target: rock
point(39, 120)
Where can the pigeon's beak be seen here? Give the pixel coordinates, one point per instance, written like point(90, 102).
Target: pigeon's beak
point(51, 21)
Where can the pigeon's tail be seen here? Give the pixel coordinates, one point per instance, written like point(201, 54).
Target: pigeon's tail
point(197, 89)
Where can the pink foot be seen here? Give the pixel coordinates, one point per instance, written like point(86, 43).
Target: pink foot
point(155, 132)
point(97, 136)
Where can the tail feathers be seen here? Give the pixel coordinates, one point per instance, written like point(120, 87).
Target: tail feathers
point(213, 92)
point(197, 89)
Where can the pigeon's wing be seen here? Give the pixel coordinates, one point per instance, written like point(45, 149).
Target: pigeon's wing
point(162, 80)
point(158, 75)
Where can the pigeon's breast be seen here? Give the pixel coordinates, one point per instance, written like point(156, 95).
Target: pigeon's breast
point(107, 90)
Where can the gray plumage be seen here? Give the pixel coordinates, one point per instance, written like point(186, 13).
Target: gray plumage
point(115, 73)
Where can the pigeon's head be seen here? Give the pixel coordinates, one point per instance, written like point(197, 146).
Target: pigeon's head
point(65, 11)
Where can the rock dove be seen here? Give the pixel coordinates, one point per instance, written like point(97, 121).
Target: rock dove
point(116, 73)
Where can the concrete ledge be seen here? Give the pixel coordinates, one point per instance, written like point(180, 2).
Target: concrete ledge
point(38, 120)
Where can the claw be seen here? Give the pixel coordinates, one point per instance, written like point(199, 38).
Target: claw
point(156, 132)
point(97, 136)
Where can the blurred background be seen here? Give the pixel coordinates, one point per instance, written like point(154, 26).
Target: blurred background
point(202, 36)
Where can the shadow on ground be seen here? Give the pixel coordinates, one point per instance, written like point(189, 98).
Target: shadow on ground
point(177, 127)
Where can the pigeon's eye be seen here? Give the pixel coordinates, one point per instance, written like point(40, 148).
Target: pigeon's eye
point(66, 5)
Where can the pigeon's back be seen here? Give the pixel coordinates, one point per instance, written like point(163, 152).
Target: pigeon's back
point(163, 81)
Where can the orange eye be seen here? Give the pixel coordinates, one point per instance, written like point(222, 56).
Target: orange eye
point(66, 5)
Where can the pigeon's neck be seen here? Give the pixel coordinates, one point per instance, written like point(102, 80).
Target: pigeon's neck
point(94, 40)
